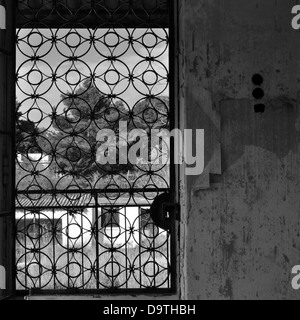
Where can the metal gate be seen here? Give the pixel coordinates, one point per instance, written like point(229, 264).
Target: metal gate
point(92, 85)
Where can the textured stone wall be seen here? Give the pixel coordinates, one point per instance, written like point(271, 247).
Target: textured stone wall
point(242, 215)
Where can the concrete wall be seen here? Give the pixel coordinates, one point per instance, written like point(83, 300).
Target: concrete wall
point(242, 223)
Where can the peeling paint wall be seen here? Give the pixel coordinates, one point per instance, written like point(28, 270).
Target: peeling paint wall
point(242, 223)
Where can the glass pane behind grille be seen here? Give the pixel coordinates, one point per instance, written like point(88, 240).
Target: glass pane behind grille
point(83, 223)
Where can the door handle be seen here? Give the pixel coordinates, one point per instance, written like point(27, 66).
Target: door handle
point(164, 210)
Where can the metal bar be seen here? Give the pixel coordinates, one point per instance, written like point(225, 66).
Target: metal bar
point(157, 292)
point(82, 249)
point(39, 254)
point(70, 207)
point(26, 258)
point(12, 149)
point(92, 21)
point(174, 120)
point(126, 247)
point(97, 272)
point(53, 248)
point(140, 267)
point(123, 191)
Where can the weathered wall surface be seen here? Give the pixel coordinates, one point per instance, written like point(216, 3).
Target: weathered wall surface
point(243, 225)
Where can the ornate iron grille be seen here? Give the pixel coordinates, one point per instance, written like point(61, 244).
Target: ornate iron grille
point(82, 222)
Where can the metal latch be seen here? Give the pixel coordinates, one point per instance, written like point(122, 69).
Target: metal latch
point(163, 211)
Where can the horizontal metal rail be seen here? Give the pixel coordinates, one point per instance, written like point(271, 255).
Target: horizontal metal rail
point(92, 192)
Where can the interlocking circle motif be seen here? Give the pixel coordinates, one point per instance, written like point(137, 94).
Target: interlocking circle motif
point(84, 67)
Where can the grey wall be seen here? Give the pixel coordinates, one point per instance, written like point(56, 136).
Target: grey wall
point(242, 223)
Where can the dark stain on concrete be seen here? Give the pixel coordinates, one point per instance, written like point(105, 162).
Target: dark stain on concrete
point(227, 290)
point(275, 130)
point(286, 258)
point(228, 250)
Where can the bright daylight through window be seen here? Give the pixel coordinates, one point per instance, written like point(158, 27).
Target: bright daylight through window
point(82, 221)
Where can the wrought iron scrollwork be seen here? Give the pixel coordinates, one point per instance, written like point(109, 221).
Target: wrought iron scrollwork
point(84, 67)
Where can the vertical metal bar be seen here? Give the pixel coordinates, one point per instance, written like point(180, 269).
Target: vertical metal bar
point(140, 266)
point(154, 247)
point(54, 240)
point(111, 245)
point(140, 230)
point(171, 97)
point(126, 245)
point(68, 248)
point(82, 248)
point(12, 94)
point(97, 239)
point(168, 258)
point(39, 241)
point(174, 120)
point(25, 237)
